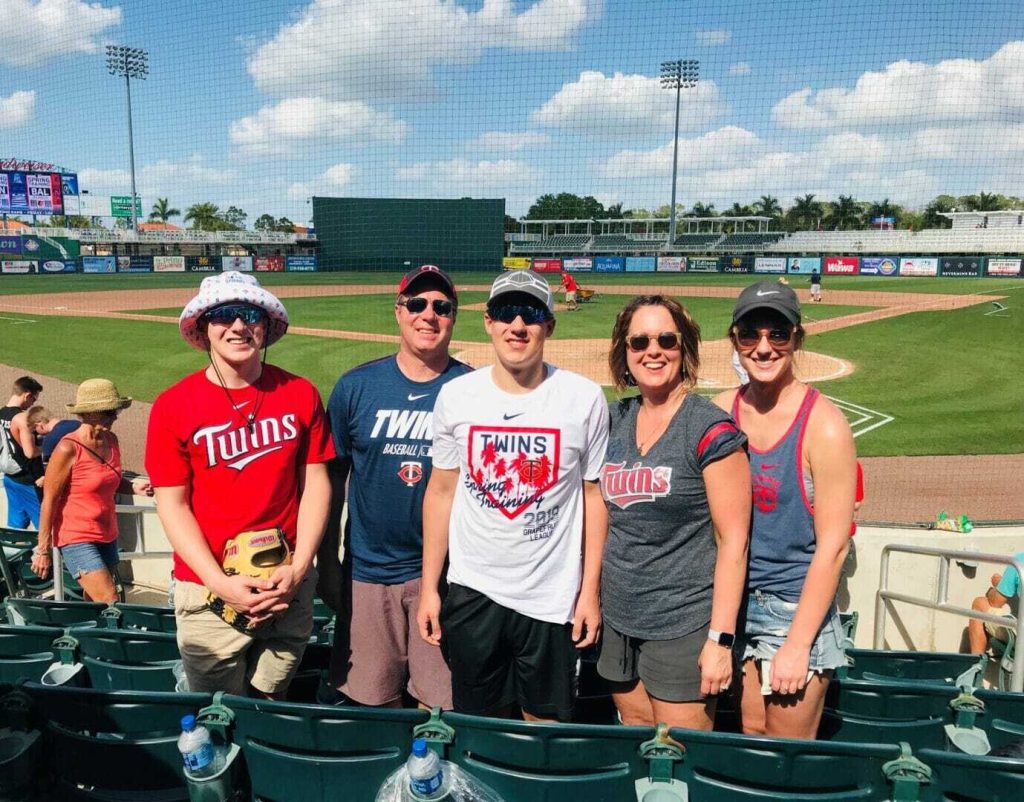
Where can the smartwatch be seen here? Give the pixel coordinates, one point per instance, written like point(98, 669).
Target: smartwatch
point(725, 639)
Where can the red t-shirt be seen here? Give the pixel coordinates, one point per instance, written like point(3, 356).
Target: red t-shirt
point(858, 495)
point(238, 480)
point(569, 283)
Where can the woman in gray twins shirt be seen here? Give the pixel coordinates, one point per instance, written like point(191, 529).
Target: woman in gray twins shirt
point(677, 484)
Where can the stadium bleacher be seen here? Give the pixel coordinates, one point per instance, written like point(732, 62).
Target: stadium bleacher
point(560, 243)
point(694, 242)
point(748, 241)
point(937, 240)
point(615, 243)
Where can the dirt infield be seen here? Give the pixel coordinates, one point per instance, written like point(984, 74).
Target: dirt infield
point(899, 489)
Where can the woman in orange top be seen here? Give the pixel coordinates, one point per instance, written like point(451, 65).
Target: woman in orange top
point(84, 474)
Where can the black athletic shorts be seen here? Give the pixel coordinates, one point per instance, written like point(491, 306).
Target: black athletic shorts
point(499, 657)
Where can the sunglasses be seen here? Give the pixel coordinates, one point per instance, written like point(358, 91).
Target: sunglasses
point(250, 315)
point(749, 337)
point(506, 313)
point(667, 341)
point(442, 307)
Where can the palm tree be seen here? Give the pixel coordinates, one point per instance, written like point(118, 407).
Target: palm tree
point(844, 213)
point(883, 209)
point(738, 210)
point(767, 206)
point(988, 202)
point(203, 216)
point(805, 212)
point(162, 211)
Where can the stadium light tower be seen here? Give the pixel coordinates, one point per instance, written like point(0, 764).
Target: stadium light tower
point(129, 62)
point(680, 74)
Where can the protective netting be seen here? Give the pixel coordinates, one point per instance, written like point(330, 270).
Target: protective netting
point(878, 143)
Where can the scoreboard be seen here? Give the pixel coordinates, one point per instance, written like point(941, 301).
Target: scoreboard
point(25, 192)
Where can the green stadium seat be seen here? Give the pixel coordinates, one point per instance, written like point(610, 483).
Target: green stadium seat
point(25, 652)
point(151, 618)
point(50, 613)
point(123, 659)
point(114, 746)
point(943, 667)
point(317, 753)
point(21, 747)
point(969, 778)
point(849, 622)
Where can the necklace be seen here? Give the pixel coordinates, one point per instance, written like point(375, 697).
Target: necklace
point(657, 427)
point(250, 419)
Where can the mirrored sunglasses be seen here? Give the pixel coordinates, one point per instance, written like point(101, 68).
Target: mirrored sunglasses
point(442, 306)
point(749, 337)
point(250, 315)
point(506, 313)
point(667, 341)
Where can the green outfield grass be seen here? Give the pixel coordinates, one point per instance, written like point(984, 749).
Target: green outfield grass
point(373, 314)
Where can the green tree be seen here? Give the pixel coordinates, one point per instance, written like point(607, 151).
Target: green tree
point(265, 222)
point(204, 216)
point(511, 225)
point(738, 210)
point(565, 206)
point(884, 208)
point(805, 212)
point(843, 214)
point(614, 212)
point(285, 225)
point(768, 206)
point(982, 202)
point(163, 211)
point(932, 217)
point(703, 210)
point(235, 218)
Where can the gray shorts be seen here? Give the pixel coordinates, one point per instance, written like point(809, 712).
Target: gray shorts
point(667, 668)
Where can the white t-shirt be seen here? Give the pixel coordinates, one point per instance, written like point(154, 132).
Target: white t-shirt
point(516, 529)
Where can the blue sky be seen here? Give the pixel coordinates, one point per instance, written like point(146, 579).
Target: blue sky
point(262, 104)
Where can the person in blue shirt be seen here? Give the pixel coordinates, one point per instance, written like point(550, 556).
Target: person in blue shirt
point(1002, 598)
point(381, 417)
point(49, 429)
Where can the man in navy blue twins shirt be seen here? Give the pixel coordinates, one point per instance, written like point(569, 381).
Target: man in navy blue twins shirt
point(381, 416)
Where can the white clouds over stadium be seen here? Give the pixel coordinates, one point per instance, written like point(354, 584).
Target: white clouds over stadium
point(17, 109)
point(34, 31)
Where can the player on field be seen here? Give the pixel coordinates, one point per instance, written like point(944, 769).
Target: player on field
point(514, 503)
point(380, 415)
point(237, 452)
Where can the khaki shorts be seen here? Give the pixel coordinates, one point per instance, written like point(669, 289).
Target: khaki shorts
point(382, 654)
point(570, 297)
point(997, 631)
point(217, 657)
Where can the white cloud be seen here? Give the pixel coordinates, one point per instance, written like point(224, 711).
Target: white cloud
point(34, 31)
point(601, 106)
point(718, 148)
point(301, 121)
point(713, 38)
point(508, 141)
point(190, 178)
point(332, 181)
point(912, 92)
point(467, 177)
point(17, 108)
point(739, 68)
point(338, 44)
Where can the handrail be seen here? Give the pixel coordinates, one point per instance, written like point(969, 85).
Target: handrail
point(941, 600)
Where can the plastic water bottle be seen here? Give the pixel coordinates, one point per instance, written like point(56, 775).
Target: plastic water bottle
point(198, 753)
point(426, 774)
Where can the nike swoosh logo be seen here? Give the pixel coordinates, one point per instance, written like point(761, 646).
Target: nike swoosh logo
point(509, 417)
point(241, 404)
point(762, 294)
point(417, 397)
point(238, 464)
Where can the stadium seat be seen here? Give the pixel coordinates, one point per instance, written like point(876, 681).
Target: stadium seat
point(21, 747)
point(123, 659)
point(115, 746)
point(317, 753)
point(147, 617)
point(50, 613)
point(944, 667)
point(25, 652)
point(970, 778)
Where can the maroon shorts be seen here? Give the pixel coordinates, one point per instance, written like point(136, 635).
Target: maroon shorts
point(384, 654)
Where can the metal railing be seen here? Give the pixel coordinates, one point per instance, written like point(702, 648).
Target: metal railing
point(941, 600)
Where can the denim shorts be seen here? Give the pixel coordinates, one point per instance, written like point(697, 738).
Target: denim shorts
point(768, 620)
point(81, 558)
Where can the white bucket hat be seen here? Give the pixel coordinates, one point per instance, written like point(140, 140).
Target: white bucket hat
point(225, 288)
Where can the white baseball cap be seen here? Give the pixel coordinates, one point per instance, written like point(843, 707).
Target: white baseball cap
point(525, 281)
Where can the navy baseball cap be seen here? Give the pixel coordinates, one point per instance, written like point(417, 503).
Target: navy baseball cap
point(428, 273)
point(768, 295)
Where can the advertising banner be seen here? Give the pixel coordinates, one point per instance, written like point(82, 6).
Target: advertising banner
point(274, 264)
point(99, 264)
point(672, 264)
point(919, 266)
point(770, 264)
point(17, 266)
point(879, 266)
point(737, 264)
point(547, 265)
point(10, 243)
point(842, 265)
point(961, 265)
point(69, 184)
point(243, 263)
point(516, 263)
point(202, 264)
point(1003, 267)
point(641, 264)
point(168, 264)
point(701, 265)
point(31, 193)
point(306, 264)
point(804, 265)
point(58, 266)
point(578, 264)
point(134, 264)
point(121, 206)
point(609, 264)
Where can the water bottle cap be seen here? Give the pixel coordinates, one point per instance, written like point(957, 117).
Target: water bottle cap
point(188, 723)
point(419, 747)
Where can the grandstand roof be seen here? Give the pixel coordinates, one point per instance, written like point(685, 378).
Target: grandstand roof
point(159, 226)
point(13, 225)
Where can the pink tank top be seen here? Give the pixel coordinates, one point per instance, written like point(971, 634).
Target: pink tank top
point(86, 511)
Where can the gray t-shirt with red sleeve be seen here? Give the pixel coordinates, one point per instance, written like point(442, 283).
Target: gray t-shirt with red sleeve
point(659, 560)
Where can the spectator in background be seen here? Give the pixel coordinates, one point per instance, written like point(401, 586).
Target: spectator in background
point(23, 487)
point(79, 513)
point(49, 429)
point(1002, 598)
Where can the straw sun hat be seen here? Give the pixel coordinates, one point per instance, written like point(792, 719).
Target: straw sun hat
point(98, 395)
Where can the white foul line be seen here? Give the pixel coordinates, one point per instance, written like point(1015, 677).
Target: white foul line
point(865, 414)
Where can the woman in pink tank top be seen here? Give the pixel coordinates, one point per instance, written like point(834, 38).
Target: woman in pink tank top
point(803, 469)
point(84, 474)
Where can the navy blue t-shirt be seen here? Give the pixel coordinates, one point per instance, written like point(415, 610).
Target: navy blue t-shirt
point(382, 423)
point(54, 436)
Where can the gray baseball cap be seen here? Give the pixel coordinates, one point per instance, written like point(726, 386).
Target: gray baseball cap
point(525, 281)
point(768, 295)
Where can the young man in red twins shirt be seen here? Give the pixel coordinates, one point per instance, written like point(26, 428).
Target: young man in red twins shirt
point(240, 446)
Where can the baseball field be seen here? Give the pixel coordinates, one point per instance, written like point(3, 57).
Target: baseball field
point(927, 370)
